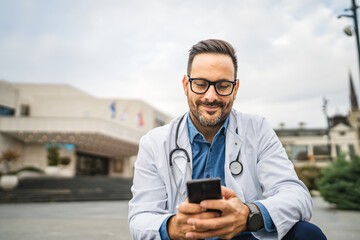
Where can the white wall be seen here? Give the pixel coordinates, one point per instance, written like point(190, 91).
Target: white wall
point(8, 95)
point(35, 155)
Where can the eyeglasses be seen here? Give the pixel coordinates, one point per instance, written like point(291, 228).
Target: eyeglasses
point(222, 87)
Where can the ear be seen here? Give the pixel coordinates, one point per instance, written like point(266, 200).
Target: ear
point(236, 88)
point(185, 83)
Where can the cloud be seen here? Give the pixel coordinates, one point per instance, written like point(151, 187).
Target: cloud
point(291, 53)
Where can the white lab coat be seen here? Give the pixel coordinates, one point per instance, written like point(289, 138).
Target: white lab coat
point(268, 176)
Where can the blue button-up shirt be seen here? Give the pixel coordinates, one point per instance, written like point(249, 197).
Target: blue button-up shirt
point(208, 158)
point(208, 162)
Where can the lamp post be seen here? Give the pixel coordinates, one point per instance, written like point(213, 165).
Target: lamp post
point(348, 31)
point(325, 102)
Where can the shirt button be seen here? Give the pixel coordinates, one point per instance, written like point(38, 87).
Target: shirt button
point(210, 149)
point(208, 176)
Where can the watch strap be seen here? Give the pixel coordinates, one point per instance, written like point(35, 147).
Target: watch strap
point(252, 208)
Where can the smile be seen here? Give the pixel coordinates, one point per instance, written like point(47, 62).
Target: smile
point(210, 108)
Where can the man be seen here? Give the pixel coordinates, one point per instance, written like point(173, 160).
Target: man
point(262, 196)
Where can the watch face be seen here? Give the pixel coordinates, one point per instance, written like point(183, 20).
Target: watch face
point(255, 222)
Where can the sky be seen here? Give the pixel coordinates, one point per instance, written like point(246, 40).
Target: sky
point(291, 53)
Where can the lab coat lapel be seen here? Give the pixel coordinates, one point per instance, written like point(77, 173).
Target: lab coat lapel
point(234, 143)
point(180, 160)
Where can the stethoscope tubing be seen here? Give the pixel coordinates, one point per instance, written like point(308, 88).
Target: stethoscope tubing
point(235, 166)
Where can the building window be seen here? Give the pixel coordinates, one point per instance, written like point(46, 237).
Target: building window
point(6, 111)
point(25, 110)
point(342, 133)
point(299, 152)
point(321, 152)
point(338, 150)
point(351, 149)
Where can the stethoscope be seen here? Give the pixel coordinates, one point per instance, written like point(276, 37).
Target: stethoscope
point(235, 166)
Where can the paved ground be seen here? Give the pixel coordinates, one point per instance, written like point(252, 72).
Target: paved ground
point(336, 224)
point(108, 220)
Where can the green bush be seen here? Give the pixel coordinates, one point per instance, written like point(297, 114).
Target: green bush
point(340, 183)
point(65, 161)
point(309, 175)
point(53, 156)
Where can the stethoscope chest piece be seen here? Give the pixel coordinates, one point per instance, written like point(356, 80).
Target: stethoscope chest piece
point(236, 167)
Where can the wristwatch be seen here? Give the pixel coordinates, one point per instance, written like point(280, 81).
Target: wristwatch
point(255, 221)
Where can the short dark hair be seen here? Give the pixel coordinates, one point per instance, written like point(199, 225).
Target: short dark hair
point(216, 46)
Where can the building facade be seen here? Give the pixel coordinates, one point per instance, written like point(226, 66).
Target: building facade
point(100, 136)
point(316, 145)
point(324, 145)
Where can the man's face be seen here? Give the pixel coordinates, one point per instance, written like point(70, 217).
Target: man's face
point(210, 109)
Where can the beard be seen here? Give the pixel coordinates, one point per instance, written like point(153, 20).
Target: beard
point(203, 117)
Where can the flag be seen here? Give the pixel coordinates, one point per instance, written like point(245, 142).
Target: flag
point(140, 119)
point(113, 110)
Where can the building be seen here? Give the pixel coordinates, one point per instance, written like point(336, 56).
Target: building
point(324, 145)
point(303, 145)
point(100, 136)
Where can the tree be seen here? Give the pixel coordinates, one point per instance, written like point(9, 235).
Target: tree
point(53, 156)
point(340, 183)
point(7, 157)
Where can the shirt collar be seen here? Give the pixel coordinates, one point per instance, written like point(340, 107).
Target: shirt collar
point(193, 132)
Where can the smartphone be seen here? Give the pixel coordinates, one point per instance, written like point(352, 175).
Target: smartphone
point(203, 189)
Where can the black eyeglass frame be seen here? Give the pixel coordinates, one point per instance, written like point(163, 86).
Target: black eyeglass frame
point(211, 83)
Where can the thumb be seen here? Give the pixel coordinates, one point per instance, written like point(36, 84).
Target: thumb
point(227, 193)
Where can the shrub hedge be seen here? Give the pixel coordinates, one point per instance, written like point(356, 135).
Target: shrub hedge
point(340, 183)
point(309, 175)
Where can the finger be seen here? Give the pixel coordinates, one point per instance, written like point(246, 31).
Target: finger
point(227, 193)
point(216, 204)
point(204, 215)
point(207, 215)
point(190, 208)
point(209, 223)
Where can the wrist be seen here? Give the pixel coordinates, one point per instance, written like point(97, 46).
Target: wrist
point(169, 227)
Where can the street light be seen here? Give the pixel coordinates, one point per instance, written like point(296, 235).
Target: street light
point(349, 30)
point(325, 103)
